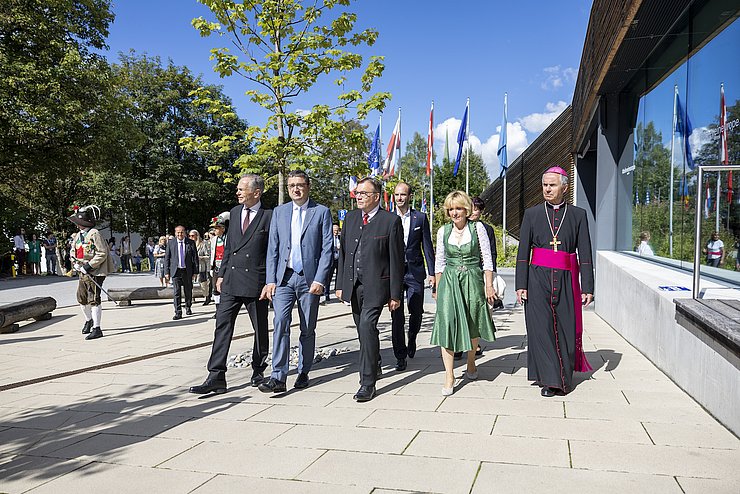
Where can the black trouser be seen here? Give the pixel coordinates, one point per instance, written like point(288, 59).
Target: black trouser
point(415, 295)
point(225, 321)
point(20, 256)
point(181, 279)
point(126, 262)
point(366, 321)
point(332, 271)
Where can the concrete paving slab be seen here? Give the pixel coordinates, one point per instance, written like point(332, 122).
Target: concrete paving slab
point(702, 486)
point(393, 472)
point(623, 431)
point(657, 460)
point(505, 478)
point(521, 450)
point(232, 483)
point(244, 459)
point(708, 435)
point(346, 438)
point(456, 404)
point(666, 414)
point(22, 473)
point(226, 431)
point(105, 478)
point(124, 450)
point(430, 421)
point(286, 414)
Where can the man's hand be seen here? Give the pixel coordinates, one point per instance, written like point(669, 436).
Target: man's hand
point(268, 291)
point(431, 280)
point(393, 304)
point(167, 279)
point(316, 288)
point(521, 296)
point(587, 298)
point(219, 281)
point(80, 268)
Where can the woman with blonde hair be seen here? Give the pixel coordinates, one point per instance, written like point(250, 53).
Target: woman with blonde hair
point(160, 251)
point(462, 311)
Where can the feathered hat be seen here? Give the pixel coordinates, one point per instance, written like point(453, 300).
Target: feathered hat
point(85, 216)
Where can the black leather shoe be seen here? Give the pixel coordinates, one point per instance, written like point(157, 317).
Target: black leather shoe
point(87, 327)
point(176, 317)
point(365, 393)
point(95, 333)
point(411, 348)
point(206, 302)
point(401, 364)
point(379, 372)
point(188, 311)
point(218, 387)
point(302, 381)
point(478, 351)
point(272, 386)
point(547, 392)
point(458, 355)
point(257, 379)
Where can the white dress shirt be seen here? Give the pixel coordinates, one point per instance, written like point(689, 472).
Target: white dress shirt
point(406, 222)
point(296, 228)
point(252, 211)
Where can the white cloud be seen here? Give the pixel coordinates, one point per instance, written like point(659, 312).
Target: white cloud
point(516, 143)
point(556, 77)
point(537, 122)
point(698, 138)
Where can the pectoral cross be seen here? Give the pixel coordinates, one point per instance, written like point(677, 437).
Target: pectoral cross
point(555, 242)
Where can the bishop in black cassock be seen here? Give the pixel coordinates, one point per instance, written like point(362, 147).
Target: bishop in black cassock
point(547, 266)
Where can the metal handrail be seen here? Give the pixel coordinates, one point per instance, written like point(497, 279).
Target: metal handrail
point(697, 227)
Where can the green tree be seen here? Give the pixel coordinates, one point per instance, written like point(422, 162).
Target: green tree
point(161, 184)
point(59, 118)
point(652, 165)
point(413, 165)
point(283, 49)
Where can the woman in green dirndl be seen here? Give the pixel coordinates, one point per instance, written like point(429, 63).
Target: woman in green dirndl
point(462, 297)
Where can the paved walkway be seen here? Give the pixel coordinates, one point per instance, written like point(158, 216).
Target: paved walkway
point(132, 427)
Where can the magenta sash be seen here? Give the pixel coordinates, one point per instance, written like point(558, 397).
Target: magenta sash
point(569, 262)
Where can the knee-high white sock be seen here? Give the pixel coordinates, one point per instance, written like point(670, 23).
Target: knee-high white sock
point(97, 314)
point(86, 311)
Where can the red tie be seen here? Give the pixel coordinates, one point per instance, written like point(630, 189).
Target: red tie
point(365, 218)
point(246, 222)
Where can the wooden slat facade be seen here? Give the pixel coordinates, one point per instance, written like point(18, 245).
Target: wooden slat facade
point(524, 178)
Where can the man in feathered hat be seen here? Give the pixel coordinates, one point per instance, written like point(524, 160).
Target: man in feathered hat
point(219, 226)
point(90, 258)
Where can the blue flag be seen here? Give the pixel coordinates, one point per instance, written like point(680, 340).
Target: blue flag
point(373, 159)
point(462, 136)
point(501, 153)
point(683, 127)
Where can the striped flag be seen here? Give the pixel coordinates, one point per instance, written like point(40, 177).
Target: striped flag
point(394, 149)
point(352, 186)
point(707, 203)
point(501, 153)
point(423, 208)
point(430, 141)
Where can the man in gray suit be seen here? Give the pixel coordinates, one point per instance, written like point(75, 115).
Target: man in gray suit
point(299, 256)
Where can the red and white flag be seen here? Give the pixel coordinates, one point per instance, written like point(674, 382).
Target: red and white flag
point(393, 151)
point(723, 155)
point(430, 140)
point(352, 186)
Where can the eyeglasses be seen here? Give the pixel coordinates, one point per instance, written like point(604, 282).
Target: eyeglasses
point(298, 186)
point(362, 193)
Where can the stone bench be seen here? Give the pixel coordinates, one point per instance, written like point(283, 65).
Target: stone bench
point(124, 296)
point(38, 308)
point(720, 319)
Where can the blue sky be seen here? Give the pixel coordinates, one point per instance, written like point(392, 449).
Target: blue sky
point(434, 50)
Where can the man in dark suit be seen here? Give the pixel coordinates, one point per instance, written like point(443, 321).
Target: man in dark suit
point(416, 237)
point(181, 265)
point(334, 258)
point(240, 281)
point(298, 260)
point(370, 274)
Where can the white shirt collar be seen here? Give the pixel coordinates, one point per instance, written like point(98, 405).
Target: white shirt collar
point(302, 207)
point(407, 215)
point(373, 212)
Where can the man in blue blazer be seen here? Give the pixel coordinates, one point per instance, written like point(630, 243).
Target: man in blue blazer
point(299, 257)
point(417, 237)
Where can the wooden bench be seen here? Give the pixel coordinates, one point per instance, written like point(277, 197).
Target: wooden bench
point(124, 296)
point(38, 308)
point(718, 318)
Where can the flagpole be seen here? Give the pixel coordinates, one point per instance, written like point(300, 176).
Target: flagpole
point(467, 155)
point(719, 174)
point(431, 173)
point(670, 203)
point(399, 144)
point(503, 226)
